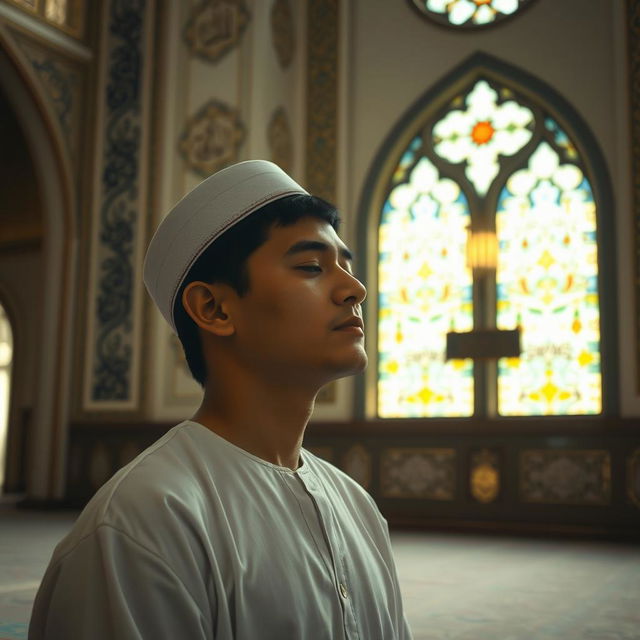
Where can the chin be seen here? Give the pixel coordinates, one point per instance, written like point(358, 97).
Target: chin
point(357, 363)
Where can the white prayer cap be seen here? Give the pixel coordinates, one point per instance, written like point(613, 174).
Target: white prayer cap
point(202, 216)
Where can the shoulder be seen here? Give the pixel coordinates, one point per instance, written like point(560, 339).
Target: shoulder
point(149, 497)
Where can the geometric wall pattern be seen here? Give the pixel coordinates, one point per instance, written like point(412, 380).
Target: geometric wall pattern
point(322, 98)
point(418, 473)
point(566, 477)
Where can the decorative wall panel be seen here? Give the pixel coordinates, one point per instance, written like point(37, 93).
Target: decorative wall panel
point(322, 114)
point(484, 475)
point(215, 27)
point(565, 477)
point(322, 98)
point(280, 140)
point(633, 477)
point(633, 40)
point(115, 288)
point(212, 138)
point(417, 484)
point(357, 463)
point(418, 473)
point(282, 32)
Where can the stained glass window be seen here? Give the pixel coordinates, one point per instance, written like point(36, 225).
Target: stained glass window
point(424, 290)
point(469, 13)
point(490, 155)
point(547, 281)
point(481, 132)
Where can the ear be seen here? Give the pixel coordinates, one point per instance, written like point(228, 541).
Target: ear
point(207, 305)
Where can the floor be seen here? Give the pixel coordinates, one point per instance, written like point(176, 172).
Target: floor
point(27, 539)
point(455, 586)
point(481, 587)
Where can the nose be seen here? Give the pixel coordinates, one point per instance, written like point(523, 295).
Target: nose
point(350, 291)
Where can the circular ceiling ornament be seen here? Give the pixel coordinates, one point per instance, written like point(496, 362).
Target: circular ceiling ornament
point(468, 14)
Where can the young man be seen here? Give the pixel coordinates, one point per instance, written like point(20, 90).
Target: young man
point(226, 528)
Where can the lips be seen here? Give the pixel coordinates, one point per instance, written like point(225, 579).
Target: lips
point(352, 322)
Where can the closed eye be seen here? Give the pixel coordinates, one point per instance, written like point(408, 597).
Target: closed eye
point(310, 267)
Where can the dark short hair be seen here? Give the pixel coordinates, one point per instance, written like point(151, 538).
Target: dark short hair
point(225, 260)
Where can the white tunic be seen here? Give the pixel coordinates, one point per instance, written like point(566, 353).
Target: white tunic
point(197, 538)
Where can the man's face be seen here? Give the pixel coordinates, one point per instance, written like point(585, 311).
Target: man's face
point(301, 290)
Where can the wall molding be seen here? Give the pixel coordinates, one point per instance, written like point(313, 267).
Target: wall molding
point(425, 479)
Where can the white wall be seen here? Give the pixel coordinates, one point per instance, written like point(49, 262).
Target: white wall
point(247, 78)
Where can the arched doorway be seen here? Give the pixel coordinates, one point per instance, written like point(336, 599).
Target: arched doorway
point(6, 358)
point(37, 282)
point(21, 236)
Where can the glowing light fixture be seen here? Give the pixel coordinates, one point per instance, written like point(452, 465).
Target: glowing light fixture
point(482, 251)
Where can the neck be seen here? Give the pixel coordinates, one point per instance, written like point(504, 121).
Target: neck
point(264, 418)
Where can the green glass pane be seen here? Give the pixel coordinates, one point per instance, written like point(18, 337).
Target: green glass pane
point(478, 134)
point(425, 290)
point(547, 281)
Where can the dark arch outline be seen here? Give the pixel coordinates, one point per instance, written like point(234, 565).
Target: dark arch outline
point(576, 127)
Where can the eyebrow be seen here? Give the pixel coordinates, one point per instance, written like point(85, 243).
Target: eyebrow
point(315, 245)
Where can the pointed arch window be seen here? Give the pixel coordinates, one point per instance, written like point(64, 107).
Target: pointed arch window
point(495, 158)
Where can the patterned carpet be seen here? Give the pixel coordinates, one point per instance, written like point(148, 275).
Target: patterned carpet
point(27, 540)
point(455, 586)
point(467, 587)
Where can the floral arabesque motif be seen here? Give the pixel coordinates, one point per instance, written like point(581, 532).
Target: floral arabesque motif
point(212, 138)
point(118, 214)
point(216, 27)
point(482, 132)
